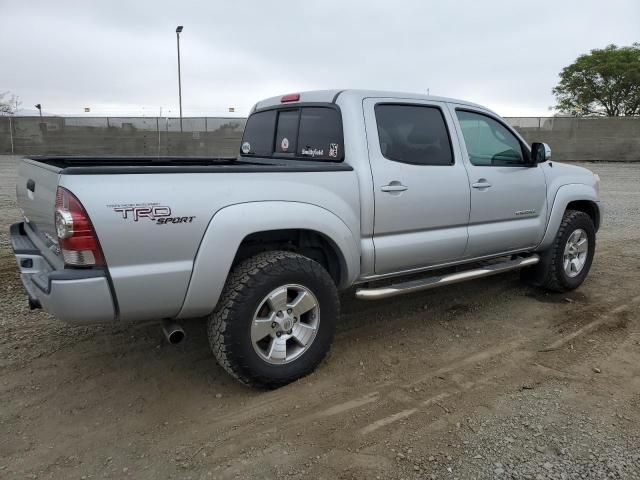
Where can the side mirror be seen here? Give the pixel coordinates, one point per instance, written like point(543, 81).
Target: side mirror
point(540, 152)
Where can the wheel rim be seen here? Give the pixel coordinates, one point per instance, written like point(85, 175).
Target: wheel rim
point(285, 324)
point(575, 253)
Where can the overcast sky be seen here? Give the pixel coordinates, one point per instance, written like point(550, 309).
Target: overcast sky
point(119, 57)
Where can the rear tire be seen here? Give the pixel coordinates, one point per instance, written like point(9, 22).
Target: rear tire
point(275, 320)
point(571, 254)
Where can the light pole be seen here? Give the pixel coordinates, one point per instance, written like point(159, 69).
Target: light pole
point(178, 30)
point(42, 124)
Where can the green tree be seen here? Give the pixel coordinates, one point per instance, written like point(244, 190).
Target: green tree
point(605, 82)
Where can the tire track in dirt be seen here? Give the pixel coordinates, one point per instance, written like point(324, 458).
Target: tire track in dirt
point(591, 326)
point(477, 384)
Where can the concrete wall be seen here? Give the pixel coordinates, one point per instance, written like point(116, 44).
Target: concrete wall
point(121, 135)
point(571, 139)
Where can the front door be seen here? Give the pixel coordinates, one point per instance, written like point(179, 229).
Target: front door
point(421, 189)
point(508, 197)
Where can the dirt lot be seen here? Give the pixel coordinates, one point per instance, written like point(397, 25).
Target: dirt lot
point(491, 379)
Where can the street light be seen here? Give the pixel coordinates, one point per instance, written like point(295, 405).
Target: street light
point(178, 30)
point(39, 107)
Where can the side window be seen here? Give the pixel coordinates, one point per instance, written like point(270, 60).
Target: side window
point(489, 143)
point(413, 134)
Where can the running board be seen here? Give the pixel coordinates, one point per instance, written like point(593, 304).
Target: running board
point(441, 280)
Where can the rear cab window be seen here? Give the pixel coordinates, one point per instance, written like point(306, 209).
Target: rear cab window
point(302, 132)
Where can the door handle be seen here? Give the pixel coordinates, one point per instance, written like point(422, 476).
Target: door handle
point(394, 186)
point(481, 184)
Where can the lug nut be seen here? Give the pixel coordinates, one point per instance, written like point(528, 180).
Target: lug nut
point(274, 324)
point(289, 310)
point(279, 314)
point(289, 332)
point(295, 319)
point(278, 334)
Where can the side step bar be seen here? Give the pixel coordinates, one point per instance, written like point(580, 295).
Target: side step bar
point(441, 280)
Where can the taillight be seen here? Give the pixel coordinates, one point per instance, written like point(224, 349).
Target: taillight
point(76, 237)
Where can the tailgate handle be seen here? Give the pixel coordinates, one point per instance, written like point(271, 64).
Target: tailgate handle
point(31, 185)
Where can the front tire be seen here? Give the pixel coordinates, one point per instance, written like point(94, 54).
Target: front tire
point(275, 320)
point(571, 253)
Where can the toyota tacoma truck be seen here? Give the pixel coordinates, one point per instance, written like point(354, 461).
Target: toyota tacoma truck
point(388, 193)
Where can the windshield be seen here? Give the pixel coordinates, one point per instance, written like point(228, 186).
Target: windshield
point(304, 132)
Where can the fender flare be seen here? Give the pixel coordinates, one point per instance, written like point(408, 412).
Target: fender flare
point(565, 195)
point(231, 225)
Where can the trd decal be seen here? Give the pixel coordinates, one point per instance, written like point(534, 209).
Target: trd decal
point(168, 220)
point(143, 212)
point(160, 214)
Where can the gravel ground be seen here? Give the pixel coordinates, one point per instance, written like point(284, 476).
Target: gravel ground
point(489, 379)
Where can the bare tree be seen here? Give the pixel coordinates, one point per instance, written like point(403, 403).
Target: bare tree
point(9, 103)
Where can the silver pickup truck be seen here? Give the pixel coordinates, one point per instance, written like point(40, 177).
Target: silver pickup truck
point(331, 189)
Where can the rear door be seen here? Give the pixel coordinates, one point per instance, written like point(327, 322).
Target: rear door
point(421, 189)
point(508, 197)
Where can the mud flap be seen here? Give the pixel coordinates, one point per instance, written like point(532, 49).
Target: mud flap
point(536, 274)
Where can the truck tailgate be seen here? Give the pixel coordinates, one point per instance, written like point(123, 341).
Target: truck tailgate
point(36, 192)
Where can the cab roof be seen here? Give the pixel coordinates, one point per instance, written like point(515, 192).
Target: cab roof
point(331, 96)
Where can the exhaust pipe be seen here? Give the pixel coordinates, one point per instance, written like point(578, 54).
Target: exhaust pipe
point(172, 332)
point(34, 304)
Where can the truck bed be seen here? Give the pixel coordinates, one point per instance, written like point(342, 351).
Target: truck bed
point(158, 258)
point(112, 165)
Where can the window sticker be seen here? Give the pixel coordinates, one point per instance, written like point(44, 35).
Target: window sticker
point(312, 152)
point(284, 145)
point(333, 150)
point(246, 147)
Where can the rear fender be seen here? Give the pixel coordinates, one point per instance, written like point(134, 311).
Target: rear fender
point(230, 225)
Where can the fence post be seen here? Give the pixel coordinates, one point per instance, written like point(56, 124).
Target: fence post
point(11, 134)
point(158, 130)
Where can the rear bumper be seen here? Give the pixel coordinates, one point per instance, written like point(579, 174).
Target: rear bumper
point(79, 296)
